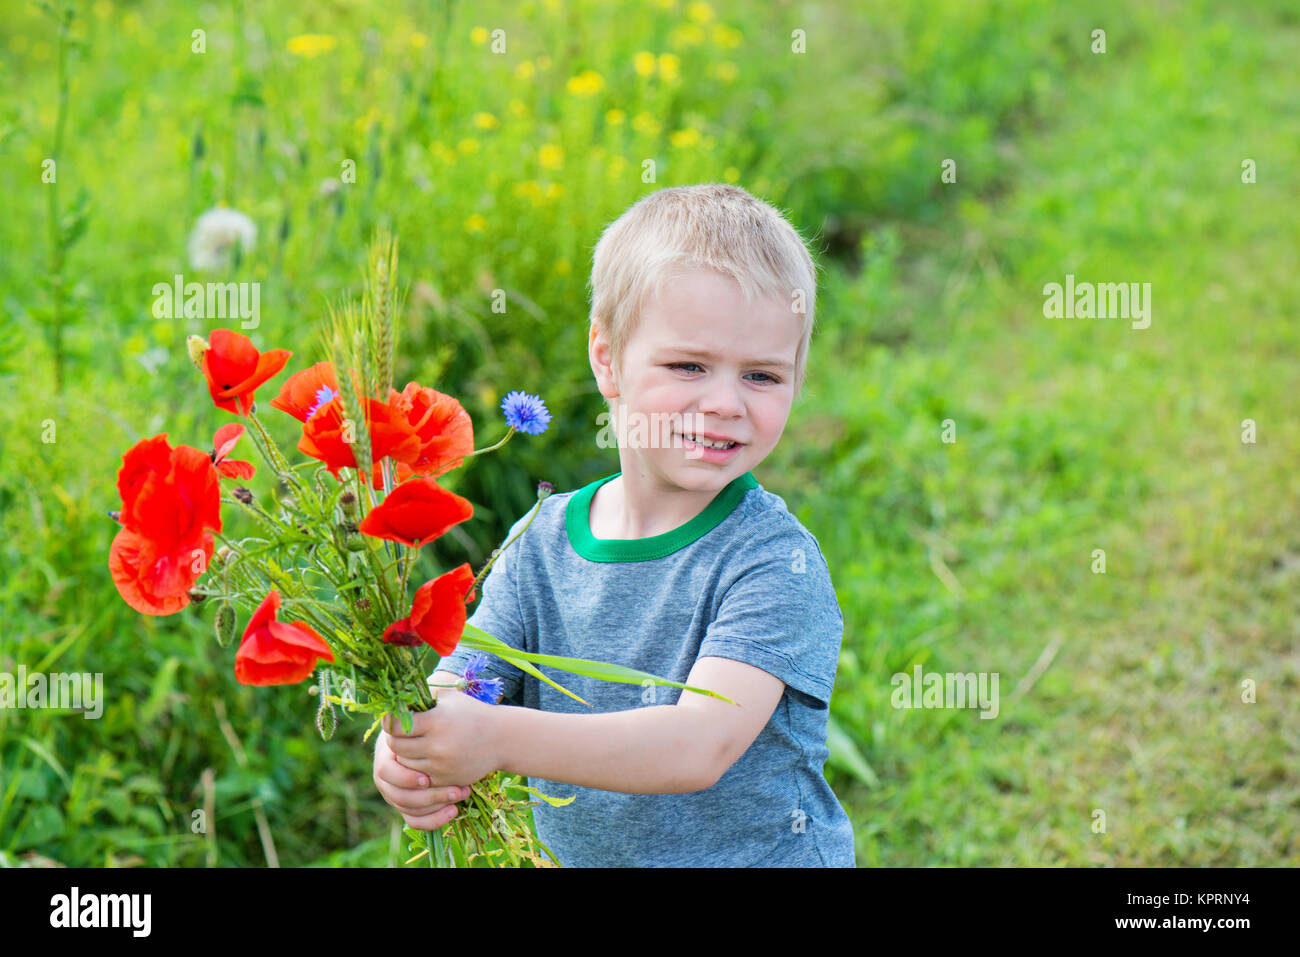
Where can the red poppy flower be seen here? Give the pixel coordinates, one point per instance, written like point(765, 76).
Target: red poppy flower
point(234, 369)
point(305, 393)
point(168, 495)
point(156, 579)
point(416, 512)
point(444, 428)
point(277, 652)
point(437, 614)
point(223, 443)
point(170, 498)
point(324, 436)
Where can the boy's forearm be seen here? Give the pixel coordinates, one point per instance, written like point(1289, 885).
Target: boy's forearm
point(654, 750)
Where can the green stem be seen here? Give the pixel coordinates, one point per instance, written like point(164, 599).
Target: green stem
point(274, 457)
point(501, 551)
point(408, 562)
point(504, 439)
point(57, 248)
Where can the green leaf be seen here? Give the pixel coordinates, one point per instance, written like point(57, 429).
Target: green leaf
point(553, 802)
point(40, 751)
point(845, 754)
point(160, 691)
point(480, 640)
point(407, 723)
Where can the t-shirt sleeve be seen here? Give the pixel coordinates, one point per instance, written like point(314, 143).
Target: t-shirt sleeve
point(779, 612)
point(497, 613)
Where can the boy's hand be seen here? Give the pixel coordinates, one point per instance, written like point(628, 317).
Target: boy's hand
point(421, 804)
point(449, 743)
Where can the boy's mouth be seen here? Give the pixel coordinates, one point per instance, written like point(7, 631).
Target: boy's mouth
point(705, 441)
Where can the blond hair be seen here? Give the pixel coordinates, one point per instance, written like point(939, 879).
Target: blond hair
point(713, 225)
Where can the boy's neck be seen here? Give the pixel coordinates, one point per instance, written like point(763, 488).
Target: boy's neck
point(621, 509)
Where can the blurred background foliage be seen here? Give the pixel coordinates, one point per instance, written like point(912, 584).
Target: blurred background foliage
point(498, 171)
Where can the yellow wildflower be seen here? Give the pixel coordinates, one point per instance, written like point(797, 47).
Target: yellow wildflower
point(468, 145)
point(615, 117)
point(486, 121)
point(529, 189)
point(476, 224)
point(311, 44)
point(731, 174)
point(687, 35)
point(554, 190)
point(479, 35)
point(586, 83)
point(725, 36)
point(645, 123)
point(684, 139)
point(551, 156)
point(726, 71)
point(562, 267)
point(418, 40)
point(644, 63)
point(670, 66)
point(442, 152)
point(518, 107)
point(525, 70)
point(699, 12)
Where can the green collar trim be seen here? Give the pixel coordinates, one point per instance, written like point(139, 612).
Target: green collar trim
point(577, 522)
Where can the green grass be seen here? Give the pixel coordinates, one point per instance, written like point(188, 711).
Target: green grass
point(1082, 434)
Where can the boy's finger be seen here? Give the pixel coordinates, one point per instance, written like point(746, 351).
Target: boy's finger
point(430, 822)
point(420, 797)
point(407, 748)
point(414, 803)
point(399, 775)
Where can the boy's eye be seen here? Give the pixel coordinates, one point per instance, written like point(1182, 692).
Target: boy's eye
point(683, 365)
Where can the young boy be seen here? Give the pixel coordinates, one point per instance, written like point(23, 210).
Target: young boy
point(680, 565)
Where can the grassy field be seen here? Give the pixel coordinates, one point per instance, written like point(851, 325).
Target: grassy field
point(1121, 692)
point(1124, 689)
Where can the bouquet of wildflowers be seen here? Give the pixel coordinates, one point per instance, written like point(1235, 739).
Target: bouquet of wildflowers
point(323, 582)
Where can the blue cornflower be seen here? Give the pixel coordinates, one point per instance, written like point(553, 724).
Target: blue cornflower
point(485, 689)
point(323, 397)
point(525, 413)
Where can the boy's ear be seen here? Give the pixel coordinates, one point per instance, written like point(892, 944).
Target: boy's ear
point(598, 351)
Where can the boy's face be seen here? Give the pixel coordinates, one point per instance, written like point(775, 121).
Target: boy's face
point(700, 360)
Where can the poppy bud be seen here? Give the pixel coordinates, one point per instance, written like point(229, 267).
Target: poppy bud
point(355, 542)
point(544, 489)
point(348, 502)
point(224, 624)
point(222, 556)
point(348, 527)
point(197, 346)
point(196, 596)
point(326, 720)
point(363, 604)
point(243, 495)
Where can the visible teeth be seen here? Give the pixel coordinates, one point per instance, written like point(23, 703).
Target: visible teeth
point(708, 444)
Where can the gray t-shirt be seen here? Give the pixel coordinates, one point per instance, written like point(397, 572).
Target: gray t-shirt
point(742, 580)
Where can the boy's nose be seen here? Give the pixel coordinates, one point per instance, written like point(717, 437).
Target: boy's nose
point(722, 400)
